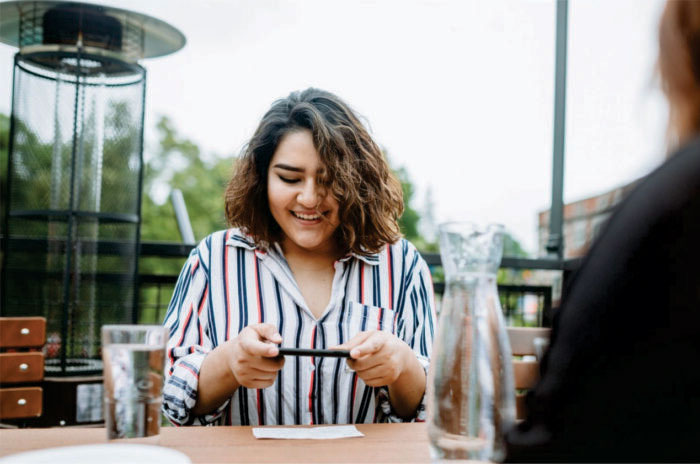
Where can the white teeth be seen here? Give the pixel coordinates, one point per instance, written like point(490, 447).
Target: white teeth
point(306, 217)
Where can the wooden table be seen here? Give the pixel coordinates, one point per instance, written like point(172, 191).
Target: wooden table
point(384, 443)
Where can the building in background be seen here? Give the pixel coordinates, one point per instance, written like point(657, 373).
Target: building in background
point(583, 220)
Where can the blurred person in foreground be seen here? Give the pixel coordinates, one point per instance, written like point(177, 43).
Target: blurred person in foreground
point(621, 381)
point(314, 259)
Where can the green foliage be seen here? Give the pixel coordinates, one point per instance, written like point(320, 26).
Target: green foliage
point(178, 164)
point(42, 167)
point(31, 184)
point(512, 248)
point(410, 218)
point(4, 133)
point(4, 147)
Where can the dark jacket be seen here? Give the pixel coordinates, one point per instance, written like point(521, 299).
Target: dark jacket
point(621, 380)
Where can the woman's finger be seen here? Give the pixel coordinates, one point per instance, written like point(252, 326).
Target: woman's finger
point(255, 373)
point(354, 341)
point(369, 346)
point(257, 383)
point(270, 364)
point(361, 365)
point(379, 370)
point(267, 332)
point(251, 344)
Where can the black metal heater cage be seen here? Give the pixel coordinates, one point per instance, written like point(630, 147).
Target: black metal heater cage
point(73, 200)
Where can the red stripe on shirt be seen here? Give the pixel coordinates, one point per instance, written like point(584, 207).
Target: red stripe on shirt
point(179, 343)
point(204, 298)
point(184, 326)
point(189, 369)
point(199, 313)
point(311, 387)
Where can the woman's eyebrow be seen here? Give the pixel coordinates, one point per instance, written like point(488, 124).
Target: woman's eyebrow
point(288, 167)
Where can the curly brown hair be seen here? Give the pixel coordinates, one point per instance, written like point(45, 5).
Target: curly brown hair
point(354, 171)
point(679, 67)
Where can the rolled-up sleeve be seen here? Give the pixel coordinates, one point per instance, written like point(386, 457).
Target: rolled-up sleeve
point(416, 328)
point(189, 342)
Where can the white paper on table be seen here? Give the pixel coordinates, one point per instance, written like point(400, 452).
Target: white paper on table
point(301, 433)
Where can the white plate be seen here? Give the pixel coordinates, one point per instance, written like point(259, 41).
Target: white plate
point(102, 454)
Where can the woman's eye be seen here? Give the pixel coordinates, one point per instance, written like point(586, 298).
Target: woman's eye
point(288, 180)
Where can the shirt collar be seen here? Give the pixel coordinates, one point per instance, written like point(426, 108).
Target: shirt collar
point(241, 240)
point(371, 259)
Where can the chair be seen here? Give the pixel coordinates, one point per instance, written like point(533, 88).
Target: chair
point(21, 367)
point(527, 345)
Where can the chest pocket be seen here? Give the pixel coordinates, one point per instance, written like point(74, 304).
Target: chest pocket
point(359, 317)
point(362, 317)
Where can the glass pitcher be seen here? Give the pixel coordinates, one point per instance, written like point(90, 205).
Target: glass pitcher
point(470, 389)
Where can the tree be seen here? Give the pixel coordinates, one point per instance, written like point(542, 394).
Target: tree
point(410, 217)
point(512, 248)
point(4, 147)
point(179, 164)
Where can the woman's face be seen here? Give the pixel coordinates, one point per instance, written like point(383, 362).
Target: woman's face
point(308, 220)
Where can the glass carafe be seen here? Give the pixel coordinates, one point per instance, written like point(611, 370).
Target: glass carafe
point(470, 389)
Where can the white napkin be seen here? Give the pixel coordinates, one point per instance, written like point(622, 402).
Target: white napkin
point(301, 433)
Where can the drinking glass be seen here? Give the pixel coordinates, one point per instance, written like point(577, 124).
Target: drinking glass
point(134, 364)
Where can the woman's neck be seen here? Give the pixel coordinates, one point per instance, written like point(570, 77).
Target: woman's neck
point(302, 259)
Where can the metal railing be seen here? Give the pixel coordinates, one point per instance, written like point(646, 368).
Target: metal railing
point(155, 290)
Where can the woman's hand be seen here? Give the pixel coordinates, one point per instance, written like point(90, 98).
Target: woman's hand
point(250, 360)
point(253, 356)
point(382, 359)
point(378, 357)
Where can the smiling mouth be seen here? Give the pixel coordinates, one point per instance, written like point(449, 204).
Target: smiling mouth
point(308, 217)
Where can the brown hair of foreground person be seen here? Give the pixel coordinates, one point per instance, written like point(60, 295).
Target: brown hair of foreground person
point(679, 67)
point(355, 171)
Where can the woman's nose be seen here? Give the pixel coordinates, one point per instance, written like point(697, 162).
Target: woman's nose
point(308, 196)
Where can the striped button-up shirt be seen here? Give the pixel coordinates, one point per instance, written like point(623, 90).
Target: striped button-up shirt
point(228, 283)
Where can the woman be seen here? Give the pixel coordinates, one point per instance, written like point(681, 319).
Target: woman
point(620, 381)
point(314, 260)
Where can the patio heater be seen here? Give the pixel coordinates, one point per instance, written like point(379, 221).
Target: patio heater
point(72, 197)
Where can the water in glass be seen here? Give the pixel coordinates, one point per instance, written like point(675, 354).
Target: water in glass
point(133, 380)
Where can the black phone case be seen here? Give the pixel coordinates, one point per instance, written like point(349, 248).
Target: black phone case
point(311, 352)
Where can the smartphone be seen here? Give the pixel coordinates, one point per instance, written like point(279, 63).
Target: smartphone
point(286, 351)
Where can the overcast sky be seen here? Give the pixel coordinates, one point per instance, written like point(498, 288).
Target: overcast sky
point(459, 92)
